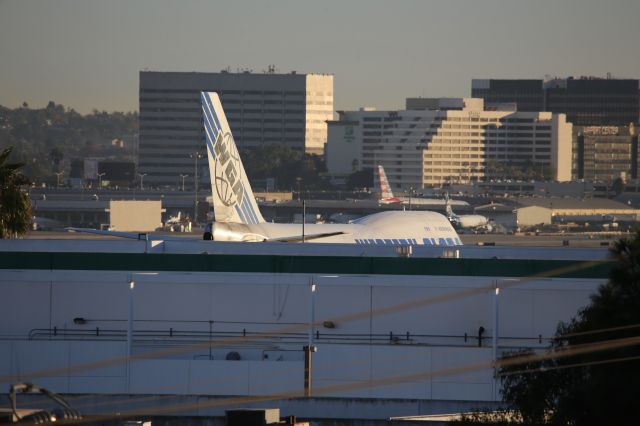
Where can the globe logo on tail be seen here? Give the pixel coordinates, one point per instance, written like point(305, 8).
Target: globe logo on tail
point(228, 171)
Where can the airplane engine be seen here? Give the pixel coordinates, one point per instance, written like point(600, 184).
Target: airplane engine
point(220, 231)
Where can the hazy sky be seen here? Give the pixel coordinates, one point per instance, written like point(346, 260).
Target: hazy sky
point(87, 53)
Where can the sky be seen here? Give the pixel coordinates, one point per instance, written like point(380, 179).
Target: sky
point(86, 54)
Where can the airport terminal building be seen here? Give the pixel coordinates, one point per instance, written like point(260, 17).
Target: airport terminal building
point(448, 140)
point(262, 109)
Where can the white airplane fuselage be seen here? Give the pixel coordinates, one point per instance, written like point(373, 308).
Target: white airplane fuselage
point(471, 221)
point(385, 228)
point(418, 201)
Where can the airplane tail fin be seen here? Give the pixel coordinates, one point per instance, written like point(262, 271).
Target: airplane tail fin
point(233, 199)
point(383, 183)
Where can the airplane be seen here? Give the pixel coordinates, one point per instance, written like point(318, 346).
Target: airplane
point(174, 220)
point(387, 197)
point(467, 221)
point(238, 218)
point(45, 224)
point(178, 223)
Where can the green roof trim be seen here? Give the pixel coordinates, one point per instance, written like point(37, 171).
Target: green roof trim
point(305, 264)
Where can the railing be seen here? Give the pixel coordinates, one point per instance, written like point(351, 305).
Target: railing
point(181, 337)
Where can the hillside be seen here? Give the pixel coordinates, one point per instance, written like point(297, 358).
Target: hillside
point(55, 138)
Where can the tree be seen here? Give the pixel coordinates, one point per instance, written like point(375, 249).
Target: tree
point(77, 168)
point(361, 179)
point(285, 165)
point(595, 387)
point(15, 208)
point(618, 185)
point(43, 138)
point(56, 155)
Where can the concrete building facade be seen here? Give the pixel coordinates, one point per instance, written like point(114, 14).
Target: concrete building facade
point(262, 109)
point(428, 147)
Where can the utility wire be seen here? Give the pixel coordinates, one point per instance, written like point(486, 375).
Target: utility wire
point(331, 389)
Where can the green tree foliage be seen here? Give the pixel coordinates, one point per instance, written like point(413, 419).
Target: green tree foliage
point(361, 179)
point(596, 387)
point(526, 171)
point(15, 208)
point(43, 139)
point(618, 185)
point(56, 156)
point(77, 168)
point(285, 165)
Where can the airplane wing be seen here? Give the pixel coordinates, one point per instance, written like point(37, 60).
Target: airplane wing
point(145, 236)
point(299, 239)
point(130, 235)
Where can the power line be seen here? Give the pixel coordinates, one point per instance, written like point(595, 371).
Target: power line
point(561, 367)
point(225, 402)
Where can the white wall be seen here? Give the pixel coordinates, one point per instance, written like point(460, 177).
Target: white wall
point(369, 307)
point(344, 146)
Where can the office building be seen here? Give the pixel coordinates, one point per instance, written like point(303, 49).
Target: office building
point(461, 143)
point(262, 109)
point(605, 153)
point(603, 111)
point(527, 94)
point(590, 101)
point(586, 101)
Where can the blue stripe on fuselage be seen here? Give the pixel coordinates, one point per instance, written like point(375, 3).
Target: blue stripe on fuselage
point(444, 242)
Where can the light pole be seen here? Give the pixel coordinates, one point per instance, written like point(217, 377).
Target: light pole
point(494, 337)
point(309, 349)
point(58, 175)
point(195, 155)
point(100, 179)
point(142, 175)
point(299, 181)
point(410, 196)
point(183, 177)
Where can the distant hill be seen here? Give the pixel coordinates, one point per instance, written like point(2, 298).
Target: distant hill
point(48, 140)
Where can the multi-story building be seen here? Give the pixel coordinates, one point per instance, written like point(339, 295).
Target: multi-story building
point(587, 101)
point(594, 101)
point(605, 153)
point(262, 109)
point(527, 94)
point(459, 141)
point(603, 111)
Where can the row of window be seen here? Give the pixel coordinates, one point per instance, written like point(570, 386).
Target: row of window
point(223, 92)
point(167, 109)
point(191, 119)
